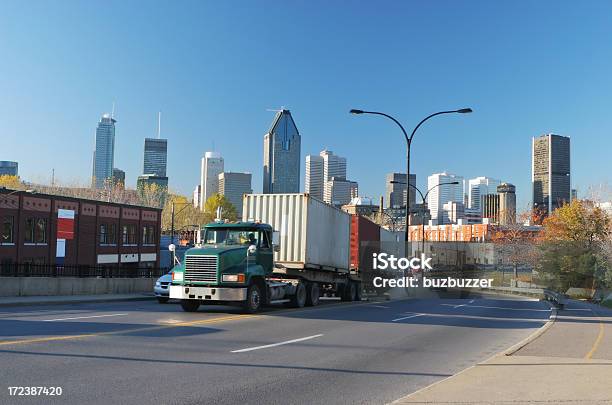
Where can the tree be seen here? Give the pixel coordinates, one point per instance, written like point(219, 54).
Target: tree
point(11, 182)
point(185, 214)
point(228, 211)
point(574, 241)
point(515, 244)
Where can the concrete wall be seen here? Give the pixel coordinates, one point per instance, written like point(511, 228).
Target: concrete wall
point(27, 286)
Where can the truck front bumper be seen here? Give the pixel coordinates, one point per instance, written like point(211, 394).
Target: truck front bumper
point(207, 293)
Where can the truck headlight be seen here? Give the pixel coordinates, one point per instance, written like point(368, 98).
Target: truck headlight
point(233, 278)
point(177, 276)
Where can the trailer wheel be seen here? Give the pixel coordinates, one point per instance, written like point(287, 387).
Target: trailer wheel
point(312, 296)
point(348, 292)
point(190, 305)
point(298, 300)
point(253, 301)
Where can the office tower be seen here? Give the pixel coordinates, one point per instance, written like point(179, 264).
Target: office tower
point(550, 169)
point(490, 207)
point(281, 172)
point(196, 196)
point(452, 212)
point(118, 177)
point(104, 153)
point(507, 203)
point(320, 170)
point(212, 165)
point(574, 194)
point(150, 180)
point(440, 195)
point(339, 191)
point(233, 186)
point(8, 168)
point(155, 156)
point(395, 187)
point(479, 187)
point(314, 183)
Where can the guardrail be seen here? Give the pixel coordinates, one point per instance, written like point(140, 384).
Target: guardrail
point(47, 270)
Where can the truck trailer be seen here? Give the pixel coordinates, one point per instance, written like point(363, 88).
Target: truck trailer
point(291, 249)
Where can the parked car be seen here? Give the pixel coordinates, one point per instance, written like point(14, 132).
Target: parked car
point(161, 289)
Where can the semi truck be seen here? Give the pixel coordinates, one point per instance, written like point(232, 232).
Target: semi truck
point(290, 249)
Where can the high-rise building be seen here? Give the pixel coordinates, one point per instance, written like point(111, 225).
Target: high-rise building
point(479, 187)
point(574, 194)
point(155, 156)
point(440, 195)
point(550, 167)
point(395, 187)
point(212, 166)
point(196, 196)
point(320, 170)
point(314, 182)
point(104, 153)
point(233, 186)
point(507, 203)
point(8, 168)
point(118, 177)
point(340, 192)
point(281, 171)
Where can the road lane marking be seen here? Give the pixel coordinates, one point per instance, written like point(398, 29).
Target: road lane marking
point(459, 306)
point(493, 307)
point(81, 317)
point(118, 332)
point(406, 317)
point(286, 342)
point(471, 302)
point(598, 340)
point(380, 306)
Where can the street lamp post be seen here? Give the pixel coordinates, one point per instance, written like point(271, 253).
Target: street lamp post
point(408, 145)
point(424, 198)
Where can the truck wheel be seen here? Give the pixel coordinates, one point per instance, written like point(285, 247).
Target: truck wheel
point(190, 305)
point(312, 296)
point(348, 292)
point(298, 300)
point(253, 301)
point(357, 291)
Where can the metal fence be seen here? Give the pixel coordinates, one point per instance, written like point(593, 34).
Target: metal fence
point(52, 270)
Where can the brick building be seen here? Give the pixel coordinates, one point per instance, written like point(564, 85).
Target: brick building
point(105, 234)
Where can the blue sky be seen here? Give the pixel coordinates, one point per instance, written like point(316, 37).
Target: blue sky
point(214, 68)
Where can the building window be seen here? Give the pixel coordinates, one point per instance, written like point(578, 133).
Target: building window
point(128, 236)
point(40, 234)
point(103, 235)
point(6, 235)
point(111, 235)
point(148, 235)
point(29, 230)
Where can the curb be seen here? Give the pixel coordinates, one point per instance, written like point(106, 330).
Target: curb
point(551, 320)
point(82, 301)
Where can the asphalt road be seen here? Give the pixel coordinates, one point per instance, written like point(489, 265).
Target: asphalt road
point(337, 353)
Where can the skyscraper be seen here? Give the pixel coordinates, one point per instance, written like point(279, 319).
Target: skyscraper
point(440, 195)
point(320, 170)
point(479, 187)
point(155, 157)
point(212, 165)
point(233, 186)
point(395, 187)
point(118, 177)
point(550, 167)
point(341, 191)
point(507, 203)
point(314, 182)
point(104, 153)
point(8, 168)
point(281, 172)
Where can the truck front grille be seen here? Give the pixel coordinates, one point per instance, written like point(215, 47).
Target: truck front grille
point(201, 268)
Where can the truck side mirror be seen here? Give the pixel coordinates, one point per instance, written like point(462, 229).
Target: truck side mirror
point(276, 241)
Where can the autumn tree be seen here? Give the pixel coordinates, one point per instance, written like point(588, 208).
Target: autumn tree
point(228, 211)
point(574, 241)
point(11, 182)
point(185, 214)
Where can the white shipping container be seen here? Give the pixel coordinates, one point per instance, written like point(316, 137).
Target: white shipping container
point(312, 234)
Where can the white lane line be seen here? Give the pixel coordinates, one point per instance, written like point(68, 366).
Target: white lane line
point(459, 306)
point(406, 317)
point(81, 317)
point(471, 301)
point(493, 307)
point(286, 342)
point(380, 306)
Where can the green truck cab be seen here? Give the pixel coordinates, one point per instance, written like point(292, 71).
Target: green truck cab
point(232, 264)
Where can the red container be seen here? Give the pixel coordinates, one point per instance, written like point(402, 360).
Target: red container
point(362, 230)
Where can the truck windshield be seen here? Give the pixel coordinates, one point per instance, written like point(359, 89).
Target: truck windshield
point(231, 237)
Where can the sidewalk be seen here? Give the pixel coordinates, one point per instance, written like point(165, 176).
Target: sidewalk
point(570, 363)
point(72, 299)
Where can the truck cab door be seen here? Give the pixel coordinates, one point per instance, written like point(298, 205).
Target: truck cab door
point(265, 254)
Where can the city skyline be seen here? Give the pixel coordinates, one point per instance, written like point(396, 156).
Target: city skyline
point(514, 98)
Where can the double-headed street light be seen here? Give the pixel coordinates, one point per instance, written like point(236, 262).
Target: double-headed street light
point(408, 144)
point(424, 198)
